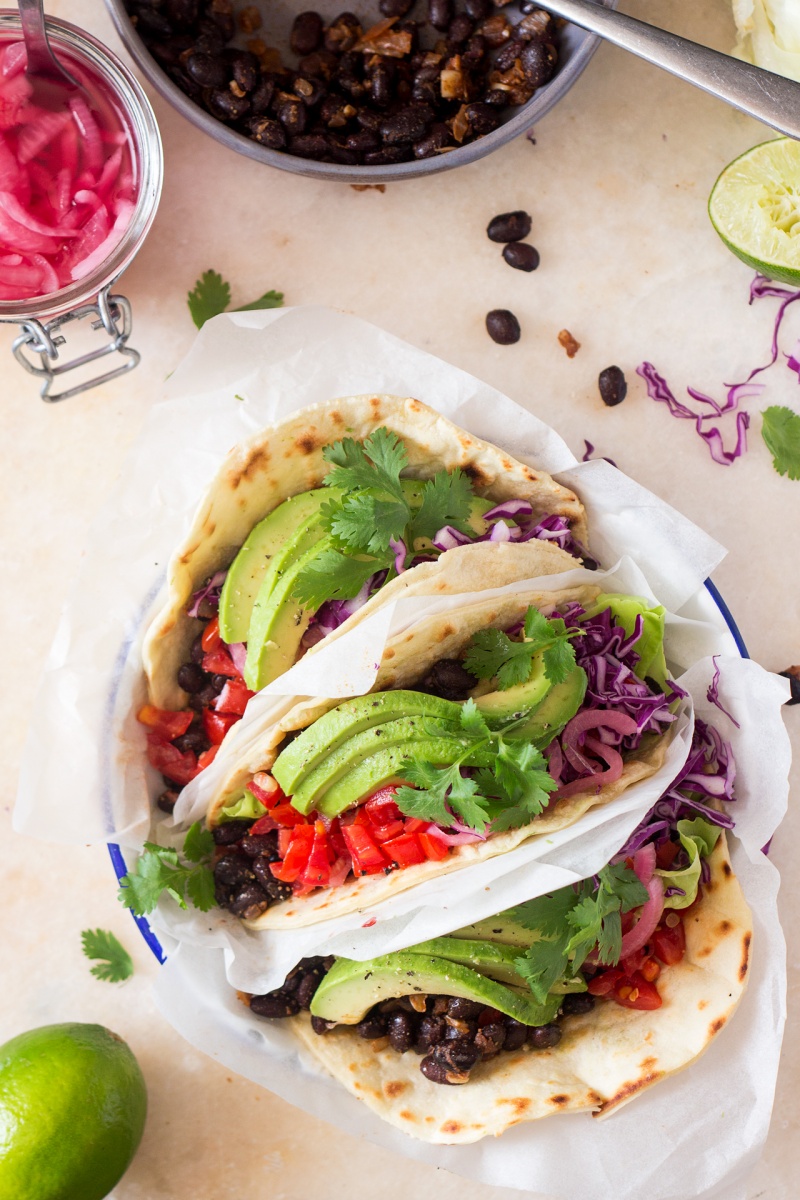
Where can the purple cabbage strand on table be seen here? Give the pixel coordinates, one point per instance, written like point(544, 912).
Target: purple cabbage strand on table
point(712, 695)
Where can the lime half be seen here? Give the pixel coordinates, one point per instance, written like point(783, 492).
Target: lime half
point(755, 208)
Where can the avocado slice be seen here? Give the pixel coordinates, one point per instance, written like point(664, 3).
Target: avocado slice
point(487, 957)
point(558, 707)
point(350, 989)
point(349, 718)
point(251, 564)
point(500, 931)
point(386, 766)
point(360, 746)
point(502, 707)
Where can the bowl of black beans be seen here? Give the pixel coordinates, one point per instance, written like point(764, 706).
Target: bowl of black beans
point(406, 88)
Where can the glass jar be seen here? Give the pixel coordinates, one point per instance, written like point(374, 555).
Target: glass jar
point(39, 347)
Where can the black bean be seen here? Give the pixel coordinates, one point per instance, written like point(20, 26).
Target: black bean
point(463, 1009)
point(457, 1027)
point(793, 675)
point(205, 70)
point(223, 104)
point(191, 677)
point(363, 141)
point(450, 1062)
point(267, 132)
point(182, 13)
point(388, 155)
point(496, 29)
point(433, 142)
point(406, 126)
point(482, 118)
point(490, 1038)
point(192, 742)
point(544, 1037)
point(309, 983)
point(538, 64)
point(172, 52)
point(229, 832)
point(292, 115)
point(233, 870)
point(396, 8)
point(575, 1003)
point(459, 30)
point(340, 153)
point(509, 227)
point(261, 844)
point(440, 13)
point(336, 111)
point(474, 52)
point(425, 85)
point(320, 63)
point(320, 1025)
point(218, 682)
point(430, 1032)
point(521, 256)
point(516, 1034)
point(479, 10)
point(152, 21)
point(275, 889)
point(439, 1072)
point(309, 145)
point(309, 90)
point(613, 386)
point(380, 85)
point(373, 1025)
point(506, 55)
point(167, 800)
point(250, 902)
point(245, 70)
point(401, 1031)
point(306, 34)
point(209, 39)
point(343, 33)
point(197, 653)
point(202, 699)
point(274, 1004)
point(502, 327)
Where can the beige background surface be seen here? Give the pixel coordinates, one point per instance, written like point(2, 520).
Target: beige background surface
point(617, 183)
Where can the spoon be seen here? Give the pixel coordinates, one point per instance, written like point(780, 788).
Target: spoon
point(768, 97)
point(51, 83)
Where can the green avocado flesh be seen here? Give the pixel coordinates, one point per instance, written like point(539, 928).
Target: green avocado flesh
point(500, 708)
point(363, 745)
point(350, 989)
point(487, 957)
point(558, 707)
point(348, 719)
point(498, 930)
point(386, 766)
point(251, 564)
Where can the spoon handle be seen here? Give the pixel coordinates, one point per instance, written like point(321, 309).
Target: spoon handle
point(41, 60)
point(768, 97)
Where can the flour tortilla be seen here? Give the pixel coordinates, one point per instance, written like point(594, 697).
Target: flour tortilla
point(286, 459)
point(406, 659)
point(605, 1059)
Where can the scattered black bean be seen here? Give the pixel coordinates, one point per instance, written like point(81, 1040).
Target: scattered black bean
point(436, 140)
point(544, 1037)
point(274, 1004)
point(343, 33)
point(516, 1034)
point(575, 1003)
point(374, 1025)
point(440, 13)
point(267, 132)
point(167, 800)
point(613, 386)
point(479, 10)
point(401, 1031)
point(309, 983)
point(459, 30)
point(502, 327)
point(233, 870)
point(396, 8)
point(521, 256)
point(793, 675)
point(197, 653)
point(261, 844)
point(538, 63)
point(449, 679)
point(509, 227)
point(191, 677)
point(225, 105)
point(481, 118)
point(205, 70)
point(194, 741)
point(250, 902)
point(229, 832)
point(490, 1038)
point(320, 1025)
point(306, 34)
point(463, 1009)
point(202, 699)
point(406, 126)
point(430, 1032)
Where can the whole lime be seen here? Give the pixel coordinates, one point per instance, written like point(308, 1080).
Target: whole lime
point(72, 1109)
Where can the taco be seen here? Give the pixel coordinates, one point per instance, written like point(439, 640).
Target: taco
point(314, 520)
point(575, 1001)
point(487, 725)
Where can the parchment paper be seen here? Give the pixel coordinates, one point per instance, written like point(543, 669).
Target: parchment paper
point(84, 777)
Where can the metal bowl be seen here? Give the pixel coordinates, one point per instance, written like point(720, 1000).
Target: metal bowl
point(576, 47)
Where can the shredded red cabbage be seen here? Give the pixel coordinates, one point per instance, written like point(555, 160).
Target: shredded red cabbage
point(334, 613)
point(589, 452)
point(210, 592)
point(712, 695)
point(399, 550)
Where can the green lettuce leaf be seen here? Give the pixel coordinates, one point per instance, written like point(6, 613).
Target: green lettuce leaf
point(698, 838)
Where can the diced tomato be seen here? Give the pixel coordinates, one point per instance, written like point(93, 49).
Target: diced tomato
point(633, 962)
point(287, 814)
point(434, 849)
point(385, 833)
point(406, 851)
point(336, 840)
point(219, 662)
point(264, 824)
point(317, 870)
point(233, 698)
point(361, 818)
point(669, 943)
point(650, 969)
point(297, 855)
point(666, 854)
point(284, 838)
point(217, 725)
point(163, 721)
point(266, 789)
point(367, 858)
point(175, 765)
point(415, 825)
point(381, 807)
point(207, 757)
point(636, 992)
point(211, 639)
point(604, 983)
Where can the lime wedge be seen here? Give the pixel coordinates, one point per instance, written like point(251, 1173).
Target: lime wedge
point(755, 208)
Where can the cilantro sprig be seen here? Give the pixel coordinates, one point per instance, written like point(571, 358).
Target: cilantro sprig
point(115, 963)
point(572, 921)
point(159, 870)
point(373, 513)
point(211, 295)
point(509, 793)
point(781, 432)
point(493, 653)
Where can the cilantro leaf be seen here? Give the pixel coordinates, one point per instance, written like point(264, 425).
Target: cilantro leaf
point(159, 870)
point(211, 295)
point(427, 800)
point(374, 465)
point(332, 575)
point(116, 964)
point(546, 914)
point(544, 964)
point(446, 500)
point(621, 881)
point(596, 916)
point(472, 720)
point(365, 522)
point(780, 430)
point(493, 653)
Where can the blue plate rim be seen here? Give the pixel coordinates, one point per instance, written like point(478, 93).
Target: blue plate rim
point(118, 861)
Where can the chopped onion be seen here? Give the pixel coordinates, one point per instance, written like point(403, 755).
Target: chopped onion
point(509, 508)
point(650, 915)
point(238, 653)
point(500, 532)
